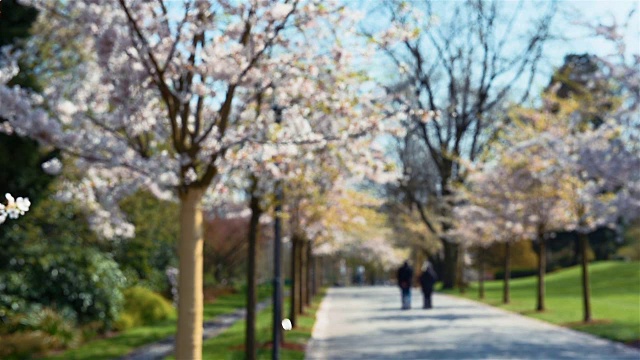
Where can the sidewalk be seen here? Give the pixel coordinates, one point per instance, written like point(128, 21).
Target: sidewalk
point(367, 323)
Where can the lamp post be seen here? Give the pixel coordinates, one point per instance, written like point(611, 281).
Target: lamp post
point(277, 262)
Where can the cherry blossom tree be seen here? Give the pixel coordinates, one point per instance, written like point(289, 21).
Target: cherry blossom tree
point(565, 172)
point(598, 181)
point(490, 210)
point(516, 188)
point(355, 226)
point(596, 123)
point(156, 99)
point(454, 69)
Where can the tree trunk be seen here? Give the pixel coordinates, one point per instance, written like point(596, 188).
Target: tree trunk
point(506, 295)
point(300, 276)
point(190, 302)
point(250, 335)
point(542, 265)
point(295, 282)
point(309, 269)
point(576, 249)
point(321, 274)
point(586, 292)
point(460, 283)
point(481, 273)
point(450, 265)
point(314, 276)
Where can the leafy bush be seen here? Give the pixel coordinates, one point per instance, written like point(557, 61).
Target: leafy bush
point(23, 344)
point(40, 330)
point(143, 307)
point(52, 258)
point(83, 280)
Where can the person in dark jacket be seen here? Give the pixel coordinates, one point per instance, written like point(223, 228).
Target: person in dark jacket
point(405, 276)
point(427, 279)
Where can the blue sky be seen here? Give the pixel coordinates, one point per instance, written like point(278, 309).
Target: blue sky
point(569, 11)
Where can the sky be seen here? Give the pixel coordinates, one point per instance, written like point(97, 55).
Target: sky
point(576, 39)
point(602, 11)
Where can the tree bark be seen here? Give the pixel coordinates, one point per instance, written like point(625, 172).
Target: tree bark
point(309, 269)
point(314, 276)
point(506, 294)
point(450, 265)
point(301, 278)
point(254, 223)
point(542, 264)
point(459, 275)
point(586, 291)
point(190, 301)
point(321, 274)
point(293, 310)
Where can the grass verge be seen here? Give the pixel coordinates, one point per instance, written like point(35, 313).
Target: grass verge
point(229, 345)
point(127, 341)
point(615, 299)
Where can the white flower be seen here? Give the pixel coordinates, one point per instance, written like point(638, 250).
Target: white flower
point(52, 167)
point(14, 208)
point(190, 176)
point(279, 11)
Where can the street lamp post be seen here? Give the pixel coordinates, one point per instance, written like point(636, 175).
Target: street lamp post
point(277, 256)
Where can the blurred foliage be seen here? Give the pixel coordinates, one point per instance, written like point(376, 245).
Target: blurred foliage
point(20, 161)
point(83, 280)
point(143, 307)
point(522, 256)
point(631, 246)
point(145, 258)
point(582, 78)
point(225, 251)
point(52, 258)
point(40, 330)
point(516, 273)
point(16, 21)
point(21, 158)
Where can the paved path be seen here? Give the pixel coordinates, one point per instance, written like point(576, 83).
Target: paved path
point(366, 323)
point(163, 348)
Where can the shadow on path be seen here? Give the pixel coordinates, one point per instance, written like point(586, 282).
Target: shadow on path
point(367, 323)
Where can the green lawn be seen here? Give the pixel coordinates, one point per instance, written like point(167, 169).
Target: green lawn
point(615, 298)
point(131, 339)
point(229, 345)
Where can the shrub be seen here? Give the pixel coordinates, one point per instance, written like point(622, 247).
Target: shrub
point(53, 259)
point(23, 344)
point(39, 330)
point(143, 307)
point(81, 279)
point(124, 322)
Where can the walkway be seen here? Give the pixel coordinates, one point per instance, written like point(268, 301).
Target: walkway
point(163, 348)
point(366, 323)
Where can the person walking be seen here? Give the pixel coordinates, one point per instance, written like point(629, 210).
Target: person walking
point(405, 276)
point(427, 279)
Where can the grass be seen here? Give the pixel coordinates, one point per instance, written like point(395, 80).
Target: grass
point(615, 299)
point(126, 341)
point(229, 345)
